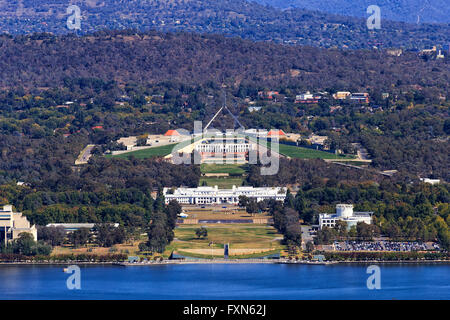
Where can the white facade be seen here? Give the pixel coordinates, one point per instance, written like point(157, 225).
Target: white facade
point(431, 181)
point(256, 132)
point(69, 227)
point(226, 147)
point(344, 212)
point(214, 195)
point(304, 96)
point(12, 224)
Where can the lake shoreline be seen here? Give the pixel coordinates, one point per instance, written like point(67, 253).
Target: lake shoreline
point(242, 281)
point(243, 261)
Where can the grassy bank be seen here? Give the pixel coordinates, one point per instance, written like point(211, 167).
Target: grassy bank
point(306, 153)
point(241, 256)
point(245, 240)
point(161, 151)
point(223, 168)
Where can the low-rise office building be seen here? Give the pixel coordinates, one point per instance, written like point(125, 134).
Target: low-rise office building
point(222, 149)
point(307, 98)
point(70, 227)
point(12, 224)
point(344, 212)
point(214, 195)
point(341, 95)
point(360, 97)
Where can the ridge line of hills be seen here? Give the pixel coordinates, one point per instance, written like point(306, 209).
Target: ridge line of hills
point(412, 11)
point(43, 60)
point(247, 20)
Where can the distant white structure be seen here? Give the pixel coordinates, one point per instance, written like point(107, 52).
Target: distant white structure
point(307, 97)
point(431, 181)
point(128, 142)
point(70, 227)
point(262, 133)
point(12, 224)
point(214, 195)
point(220, 149)
point(341, 95)
point(318, 140)
point(253, 108)
point(344, 212)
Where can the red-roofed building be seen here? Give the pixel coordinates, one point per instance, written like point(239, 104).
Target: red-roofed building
point(171, 133)
point(276, 133)
point(97, 127)
point(268, 94)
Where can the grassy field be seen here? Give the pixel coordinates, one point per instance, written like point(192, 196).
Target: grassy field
point(306, 153)
point(231, 212)
point(246, 239)
point(218, 254)
point(160, 151)
point(147, 153)
point(303, 153)
point(221, 182)
point(223, 168)
point(126, 248)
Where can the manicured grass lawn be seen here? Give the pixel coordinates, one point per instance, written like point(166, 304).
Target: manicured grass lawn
point(147, 153)
point(246, 236)
point(241, 235)
point(216, 256)
point(160, 151)
point(230, 213)
point(306, 153)
point(223, 168)
point(222, 182)
point(303, 153)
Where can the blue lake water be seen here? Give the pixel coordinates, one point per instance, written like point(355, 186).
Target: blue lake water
point(227, 281)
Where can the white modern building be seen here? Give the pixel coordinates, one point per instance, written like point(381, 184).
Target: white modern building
point(344, 212)
point(70, 227)
point(257, 133)
point(307, 97)
point(430, 181)
point(223, 148)
point(233, 145)
point(214, 195)
point(12, 224)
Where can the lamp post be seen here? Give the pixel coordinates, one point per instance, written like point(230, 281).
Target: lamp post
point(212, 245)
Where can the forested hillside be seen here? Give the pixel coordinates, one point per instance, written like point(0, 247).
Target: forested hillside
point(240, 18)
point(168, 79)
point(414, 11)
point(44, 60)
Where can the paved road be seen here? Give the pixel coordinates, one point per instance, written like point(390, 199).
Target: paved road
point(306, 236)
point(85, 154)
point(362, 152)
